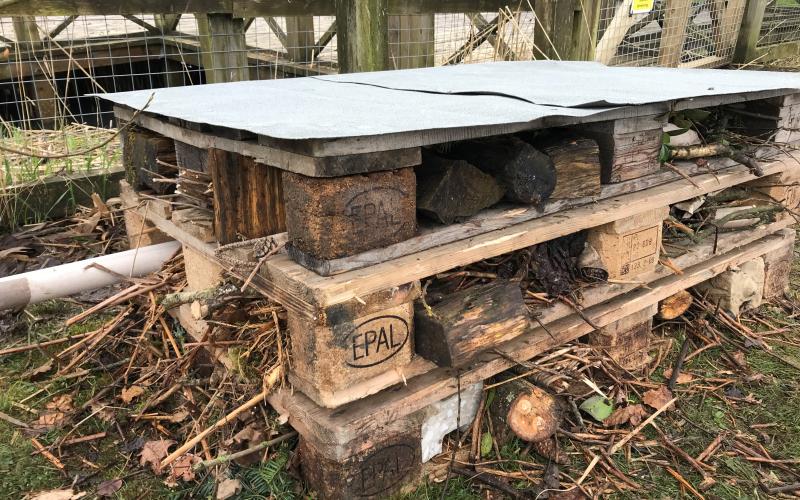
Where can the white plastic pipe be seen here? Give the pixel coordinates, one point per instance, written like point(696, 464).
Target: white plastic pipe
point(76, 277)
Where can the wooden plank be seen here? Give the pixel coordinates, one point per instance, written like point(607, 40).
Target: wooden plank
point(362, 35)
point(673, 33)
point(350, 285)
point(750, 31)
point(293, 162)
point(248, 197)
point(224, 49)
point(347, 421)
point(411, 43)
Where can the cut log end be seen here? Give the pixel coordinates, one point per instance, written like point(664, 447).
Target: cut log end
point(675, 305)
point(534, 415)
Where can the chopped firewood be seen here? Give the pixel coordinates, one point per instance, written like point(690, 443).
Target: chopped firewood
point(674, 305)
point(534, 415)
point(526, 174)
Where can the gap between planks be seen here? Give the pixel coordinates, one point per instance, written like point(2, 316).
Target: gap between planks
point(353, 285)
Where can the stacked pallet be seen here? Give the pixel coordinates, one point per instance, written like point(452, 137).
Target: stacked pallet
point(379, 365)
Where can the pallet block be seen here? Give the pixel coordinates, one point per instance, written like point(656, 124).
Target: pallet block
point(349, 350)
point(140, 231)
point(627, 340)
point(778, 268)
point(738, 289)
point(629, 147)
point(387, 458)
point(629, 247)
point(340, 216)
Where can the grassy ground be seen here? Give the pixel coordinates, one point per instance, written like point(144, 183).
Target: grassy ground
point(769, 381)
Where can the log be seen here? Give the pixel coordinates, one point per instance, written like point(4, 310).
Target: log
point(526, 174)
point(468, 322)
point(577, 165)
point(449, 190)
point(534, 415)
point(674, 305)
point(525, 410)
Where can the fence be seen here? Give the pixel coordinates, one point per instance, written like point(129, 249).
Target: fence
point(771, 31)
point(51, 59)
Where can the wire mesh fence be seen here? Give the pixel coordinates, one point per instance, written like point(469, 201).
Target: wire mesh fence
point(781, 23)
point(689, 33)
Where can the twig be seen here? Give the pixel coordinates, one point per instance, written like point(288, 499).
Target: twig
point(269, 381)
point(46, 454)
point(13, 421)
point(676, 370)
point(640, 427)
point(205, 464)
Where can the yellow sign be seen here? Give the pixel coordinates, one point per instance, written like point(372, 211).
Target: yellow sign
point(642, 6)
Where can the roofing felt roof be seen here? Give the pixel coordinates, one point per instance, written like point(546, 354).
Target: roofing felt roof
point(448, 97)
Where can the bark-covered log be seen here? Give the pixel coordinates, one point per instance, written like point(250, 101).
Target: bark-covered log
point(469, 322)
point(448, 190)
point(526, 174)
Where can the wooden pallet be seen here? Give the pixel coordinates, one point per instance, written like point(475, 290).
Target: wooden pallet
point(359, 387)
point(343, 232)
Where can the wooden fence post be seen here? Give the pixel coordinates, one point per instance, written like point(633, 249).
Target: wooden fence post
point(362, 35)
point(224, 51)
point(300, 38)
point(553, 34)
point(673, 33)
point(42, 86)
point(584, 31)
point(411, 41)
point(173, 69)
point(750, 31)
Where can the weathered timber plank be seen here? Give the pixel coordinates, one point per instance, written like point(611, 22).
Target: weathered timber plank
point(348, 421)
point(293, 162)
point(248, 197)
point(349, 285)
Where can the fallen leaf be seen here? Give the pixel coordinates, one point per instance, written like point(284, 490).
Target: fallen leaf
point(50, 420)
point(683, 377)
point(131, 393)
point(103, 412)
point(181, 469)
point(15, 252)
point(631, 413)
point(179, 416)
point(153, 452)
point(228, 488)
point(61, 403)
point(656, 398)
point(598, 407)
point(108, 488)
point(42, 369)
point(65, 494)
point(739, 359)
